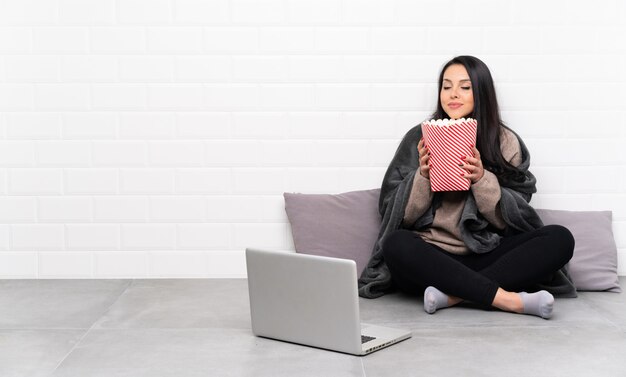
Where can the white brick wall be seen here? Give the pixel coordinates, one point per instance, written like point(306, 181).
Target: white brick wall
point(154, 138)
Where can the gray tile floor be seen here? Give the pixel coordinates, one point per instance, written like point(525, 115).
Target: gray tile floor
point(201, 327)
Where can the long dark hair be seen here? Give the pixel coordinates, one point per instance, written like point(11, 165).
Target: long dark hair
point(486, 112)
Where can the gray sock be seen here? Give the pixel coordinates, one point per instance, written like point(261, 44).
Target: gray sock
point(538, 303)
point(434, 299)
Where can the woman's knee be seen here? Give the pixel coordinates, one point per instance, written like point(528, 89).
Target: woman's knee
point(562, 238)
point(396, 245)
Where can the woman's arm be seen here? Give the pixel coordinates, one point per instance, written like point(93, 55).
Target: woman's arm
point(421, 194)
point(487, 190)
point(487, 194)
point(419, 200)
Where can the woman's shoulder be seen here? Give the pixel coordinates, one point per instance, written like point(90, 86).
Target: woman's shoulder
point(413, 132)
point(411, 137)
point(510, 146)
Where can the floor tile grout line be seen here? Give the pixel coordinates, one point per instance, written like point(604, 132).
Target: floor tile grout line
point(92, 326)
point(600, 313)
point(214, 328)
point(363, 367)
point(43, 328)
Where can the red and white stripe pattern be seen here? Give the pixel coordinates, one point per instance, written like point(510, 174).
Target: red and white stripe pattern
point(448, 142)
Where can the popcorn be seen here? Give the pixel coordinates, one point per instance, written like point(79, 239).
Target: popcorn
point(449, 140)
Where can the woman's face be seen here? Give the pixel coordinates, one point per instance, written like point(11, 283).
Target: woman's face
point(457, 97)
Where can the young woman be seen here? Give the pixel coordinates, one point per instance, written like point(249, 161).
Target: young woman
point(486, 245)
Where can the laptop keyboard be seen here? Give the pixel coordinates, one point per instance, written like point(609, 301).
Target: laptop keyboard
point(365, 339)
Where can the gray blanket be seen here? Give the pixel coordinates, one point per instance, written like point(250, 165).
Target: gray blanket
point(476, 231)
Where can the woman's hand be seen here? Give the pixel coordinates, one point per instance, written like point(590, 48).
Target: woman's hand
point(424, 154)
point(474, 167)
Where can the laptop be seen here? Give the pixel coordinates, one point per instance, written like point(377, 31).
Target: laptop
point(311, 300)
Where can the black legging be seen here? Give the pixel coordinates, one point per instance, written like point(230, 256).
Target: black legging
point(516, 264)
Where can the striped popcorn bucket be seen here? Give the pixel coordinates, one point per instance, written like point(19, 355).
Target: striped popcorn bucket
point(448, 141)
